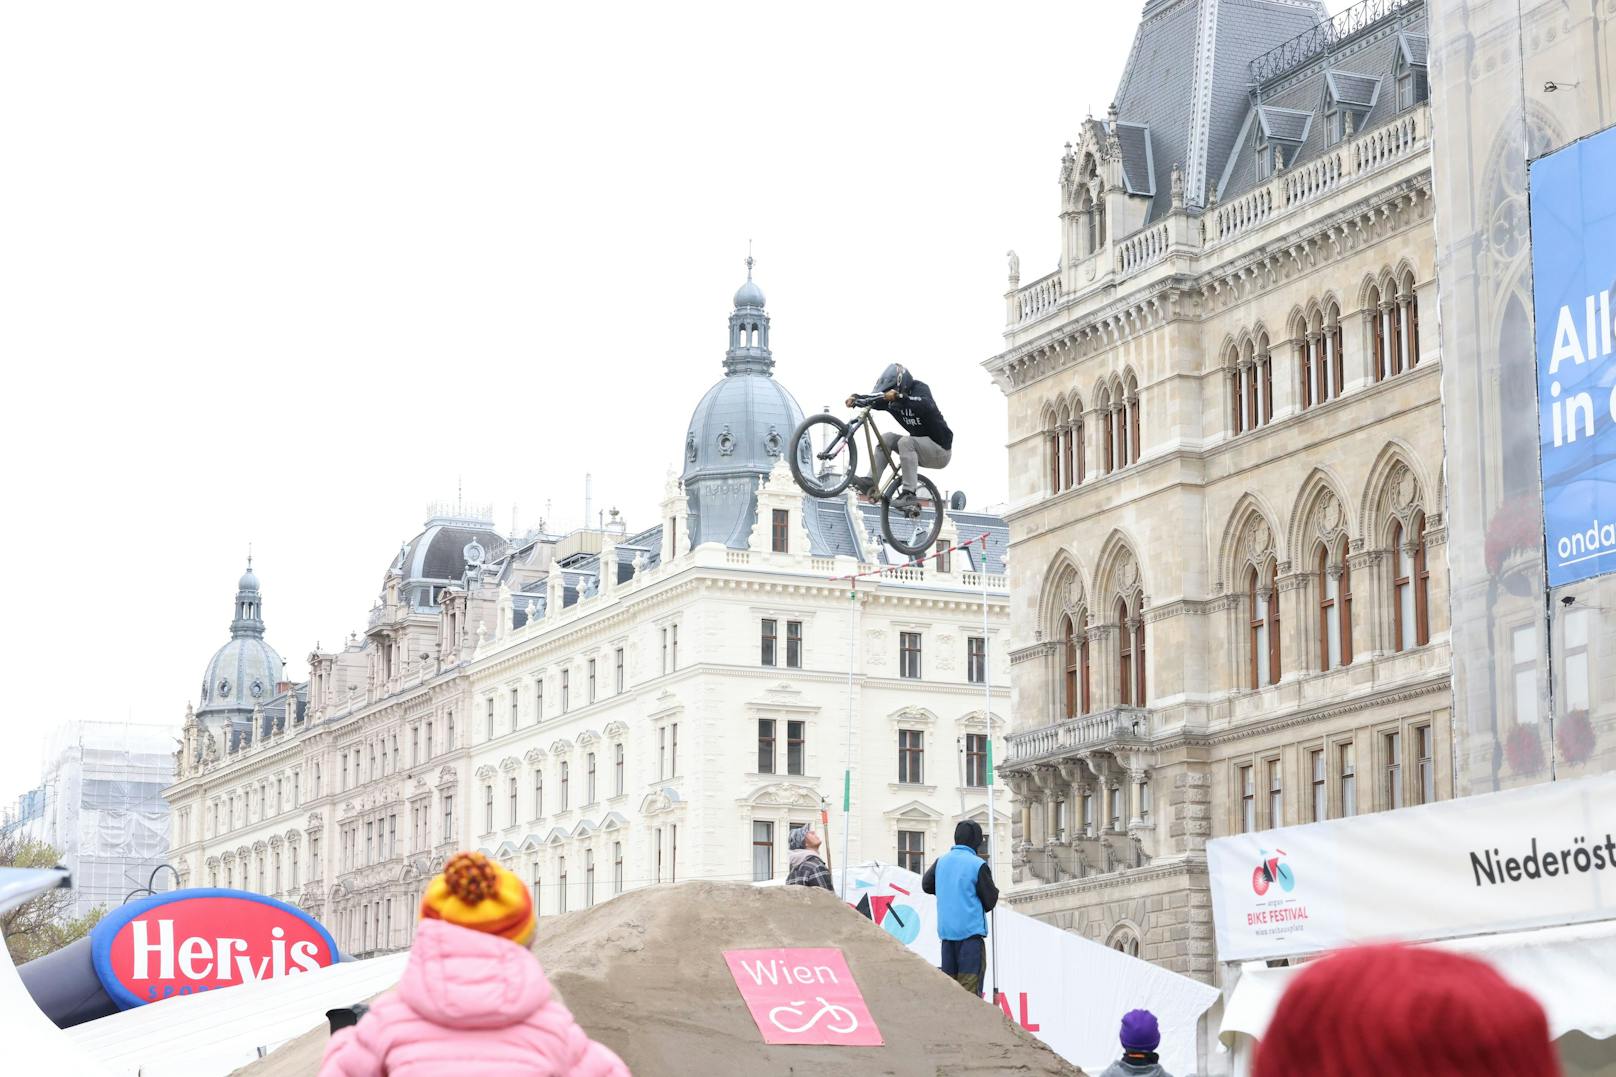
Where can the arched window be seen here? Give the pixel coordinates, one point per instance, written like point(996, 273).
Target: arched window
point(1237, 391)
point(1378, 321)
point(1054, 447)
point(1139, 667)
point(1411, 586)
point(1334, 585)
point(1075, 694)
point(1108, 416)
point(1124, 656)
point(1264, 380)
point(1333, 338)
point(1131, 453)
point(1262, 604)
point(1074, 447)
point(1408, 322)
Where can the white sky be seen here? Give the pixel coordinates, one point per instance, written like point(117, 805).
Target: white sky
point(282, 274)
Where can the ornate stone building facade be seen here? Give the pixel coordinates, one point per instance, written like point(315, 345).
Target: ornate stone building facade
point(1229, 606)
point(608, 710)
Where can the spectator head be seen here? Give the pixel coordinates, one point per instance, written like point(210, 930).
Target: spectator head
point(1140, 1032)
point(476, 893)
point(1372, 1010)
point(968, 832)
point(804, 838)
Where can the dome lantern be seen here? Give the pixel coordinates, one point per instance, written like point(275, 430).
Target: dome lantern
point(748, 331)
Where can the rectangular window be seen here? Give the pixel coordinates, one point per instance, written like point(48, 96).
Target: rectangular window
point(1523, 645)
point(538, 793)
point(796, 734)
point(769, 641)
point(448, 732)
point(657, 877)
point(564, 769)
point(516, 704)
point(428, 738)
point(1394, 770)
point(1321, 803)
point(781, 531)
point(561, 884)
point(673, 749)
point(976, 760)
point(1347, 773)
point(392, 836)
point(617, 765)
point(662, 753)
point(793, 644)
point(566, 690)
point(619, 681)
point(537, 890)
point(1576, 660)
point(591, 680)
point(490, 721)
point(909, 654)
point(589, 779)
point(488, 809)
point(912, 851)
point(765, 746)
point(538, 699)
point(511, 791)
point(617, 867)
point(673, 648)
point(448, 818)
point(415, 746)
point(1248, 800)
point(976, 659)
point(1276, 796)
point(664, 652)
point(1144, 801)
point(1425, 741)
point(1116, 807)
point(589, 877)
point(762, 851)
point(673, 853)
point(944, 556)
point(911, 756)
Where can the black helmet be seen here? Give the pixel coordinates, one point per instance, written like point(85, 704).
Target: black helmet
point(895, 376)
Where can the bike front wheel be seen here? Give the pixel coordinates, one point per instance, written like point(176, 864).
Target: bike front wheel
point(824, 456)
point(915, 531)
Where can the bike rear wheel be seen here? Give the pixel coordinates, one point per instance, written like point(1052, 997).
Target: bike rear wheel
point(824, 456)
point(913, 532)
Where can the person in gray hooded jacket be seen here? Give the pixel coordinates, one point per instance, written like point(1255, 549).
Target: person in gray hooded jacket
point(807, 867)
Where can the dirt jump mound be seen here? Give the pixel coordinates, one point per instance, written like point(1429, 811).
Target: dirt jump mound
point(645, 974)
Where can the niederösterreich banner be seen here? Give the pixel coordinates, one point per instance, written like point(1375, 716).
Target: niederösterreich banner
point(1532, 857)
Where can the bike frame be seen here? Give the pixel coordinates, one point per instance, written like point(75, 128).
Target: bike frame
point(874, 443)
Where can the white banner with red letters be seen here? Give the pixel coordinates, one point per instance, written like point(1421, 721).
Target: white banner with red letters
point(1533, 857)
point(1066, 990)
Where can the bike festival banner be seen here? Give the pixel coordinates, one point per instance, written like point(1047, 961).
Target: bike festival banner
point(803, 996)
point(1534, 857)
point(1573, 218)
point(1067, 990)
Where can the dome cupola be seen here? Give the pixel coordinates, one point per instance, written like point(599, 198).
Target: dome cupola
point(246, 670)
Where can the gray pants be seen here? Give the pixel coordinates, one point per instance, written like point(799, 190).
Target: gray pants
point(912, 453)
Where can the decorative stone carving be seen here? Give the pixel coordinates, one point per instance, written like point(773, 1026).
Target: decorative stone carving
point(1015, 266)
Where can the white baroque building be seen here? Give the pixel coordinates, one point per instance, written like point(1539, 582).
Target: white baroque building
point(603, 711)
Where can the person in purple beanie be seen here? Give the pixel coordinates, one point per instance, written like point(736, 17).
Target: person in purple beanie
point(1140, 1038)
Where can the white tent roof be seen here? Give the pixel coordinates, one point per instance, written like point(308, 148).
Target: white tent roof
point(215, 1032)
point(1571, 971)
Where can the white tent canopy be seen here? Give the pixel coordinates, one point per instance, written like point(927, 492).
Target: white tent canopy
point(1571, 971)
point(215, 1032)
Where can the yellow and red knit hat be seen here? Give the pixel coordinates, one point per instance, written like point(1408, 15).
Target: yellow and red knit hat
point(476, 893)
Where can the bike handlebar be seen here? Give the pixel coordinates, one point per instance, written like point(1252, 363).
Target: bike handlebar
point(864, 400)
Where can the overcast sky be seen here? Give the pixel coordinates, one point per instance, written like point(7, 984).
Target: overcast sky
point(284, 273)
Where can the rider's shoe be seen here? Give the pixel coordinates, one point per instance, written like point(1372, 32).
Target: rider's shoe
point(906, 502)
point(866, 489)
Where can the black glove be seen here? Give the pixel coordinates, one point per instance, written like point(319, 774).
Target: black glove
point(346, 1017)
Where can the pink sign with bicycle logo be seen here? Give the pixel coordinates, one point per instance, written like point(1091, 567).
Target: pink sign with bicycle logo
point(803, 996)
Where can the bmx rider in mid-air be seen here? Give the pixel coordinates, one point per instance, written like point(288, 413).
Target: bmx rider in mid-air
point(926, 442)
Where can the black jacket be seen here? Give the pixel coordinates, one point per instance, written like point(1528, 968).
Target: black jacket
point(916, 411)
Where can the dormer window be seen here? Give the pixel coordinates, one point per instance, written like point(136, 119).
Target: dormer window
point(1413, 83)
point(1348, 100)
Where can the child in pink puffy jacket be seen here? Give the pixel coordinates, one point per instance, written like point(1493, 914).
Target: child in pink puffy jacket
point(473, 1000)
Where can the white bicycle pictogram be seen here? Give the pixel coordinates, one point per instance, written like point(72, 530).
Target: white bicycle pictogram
point(825, 1008)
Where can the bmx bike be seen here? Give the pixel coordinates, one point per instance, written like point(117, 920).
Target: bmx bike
point(824, 460)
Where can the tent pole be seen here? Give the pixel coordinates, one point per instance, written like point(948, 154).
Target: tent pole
point(847, 773)
point(987, 714)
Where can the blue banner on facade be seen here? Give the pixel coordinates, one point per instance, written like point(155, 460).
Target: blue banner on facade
point(1573, 193)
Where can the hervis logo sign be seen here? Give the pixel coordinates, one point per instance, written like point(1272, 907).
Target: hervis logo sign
point(198, 940)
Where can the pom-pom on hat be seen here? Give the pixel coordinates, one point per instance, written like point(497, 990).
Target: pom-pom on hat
point(1373, 1010)
point(476, 893)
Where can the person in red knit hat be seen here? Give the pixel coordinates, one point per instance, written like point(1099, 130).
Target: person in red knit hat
point(1376, 1010)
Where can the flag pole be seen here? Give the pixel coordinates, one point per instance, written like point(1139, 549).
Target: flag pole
point(987, 714)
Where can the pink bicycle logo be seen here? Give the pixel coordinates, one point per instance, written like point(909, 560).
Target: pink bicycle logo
point(826, 1009)
point(1270, 871)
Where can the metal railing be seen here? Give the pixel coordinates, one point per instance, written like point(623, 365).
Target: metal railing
point(1325, 36)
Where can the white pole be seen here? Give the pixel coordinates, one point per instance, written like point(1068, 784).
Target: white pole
point(987, 704)
point(847, 773)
